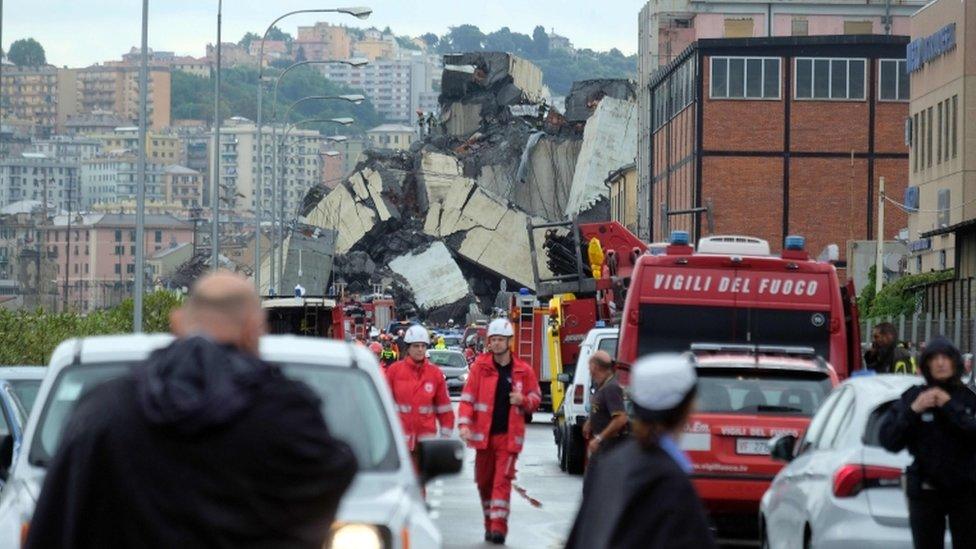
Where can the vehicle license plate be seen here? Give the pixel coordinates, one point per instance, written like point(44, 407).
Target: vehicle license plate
point(752, 446)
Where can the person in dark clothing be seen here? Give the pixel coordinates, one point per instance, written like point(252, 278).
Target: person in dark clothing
point(607, 424)
point(203, 445)
point(937, 423)
point(885, 355)
point(640, 494)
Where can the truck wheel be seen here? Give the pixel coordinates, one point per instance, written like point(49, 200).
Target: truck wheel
point(575, 451)
point(561, 448)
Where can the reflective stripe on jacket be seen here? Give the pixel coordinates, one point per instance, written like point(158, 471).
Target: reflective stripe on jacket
point(478, 401)
point(420, 394)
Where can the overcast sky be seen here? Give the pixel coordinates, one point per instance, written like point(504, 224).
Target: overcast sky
point(82, 32)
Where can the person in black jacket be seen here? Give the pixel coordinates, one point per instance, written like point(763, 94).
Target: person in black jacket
point(204, 445)
point(640, 495)
point(936, 422)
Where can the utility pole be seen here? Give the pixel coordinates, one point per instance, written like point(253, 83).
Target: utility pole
point(67, 254)
point(215, 184)
point(879, 254)
point(140, 266)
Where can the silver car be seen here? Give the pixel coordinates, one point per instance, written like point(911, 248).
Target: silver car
point(382, 509)
point(840, 488)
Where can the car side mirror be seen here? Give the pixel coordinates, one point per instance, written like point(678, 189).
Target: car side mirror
point(564, 378)
point(781, 447)
point(6, 455)
point(440, 456)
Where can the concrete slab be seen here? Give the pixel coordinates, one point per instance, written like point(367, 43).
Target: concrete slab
point(609, 141)
point(433, 276)
point(374, 186)
point(439, 174)
point(341, 212)
point(461, 119)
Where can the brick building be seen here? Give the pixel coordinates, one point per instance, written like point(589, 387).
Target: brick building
point(777, 136)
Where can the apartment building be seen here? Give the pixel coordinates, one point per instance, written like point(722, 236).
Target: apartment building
point(396, 87)
point(666, 28)
point(115, 88)
point(322, 42)
point(32, 175)
point(183, 186)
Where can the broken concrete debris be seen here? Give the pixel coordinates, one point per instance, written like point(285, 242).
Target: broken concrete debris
point(443, 226)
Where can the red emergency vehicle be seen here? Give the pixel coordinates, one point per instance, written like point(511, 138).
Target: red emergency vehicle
point(733, 291)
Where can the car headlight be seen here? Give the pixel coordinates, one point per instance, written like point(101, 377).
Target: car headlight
point(463, 378)
point(357, 536)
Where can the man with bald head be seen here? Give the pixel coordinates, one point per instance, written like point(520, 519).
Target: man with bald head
point(607, 424)
point(203, 445)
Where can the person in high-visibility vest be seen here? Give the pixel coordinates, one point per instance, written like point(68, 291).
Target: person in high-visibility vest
point(441, 343)
point(500, 392)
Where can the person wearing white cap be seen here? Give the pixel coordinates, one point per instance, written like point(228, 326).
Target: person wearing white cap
point(640, 495)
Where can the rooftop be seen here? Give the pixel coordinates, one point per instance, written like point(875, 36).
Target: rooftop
point(389, 128)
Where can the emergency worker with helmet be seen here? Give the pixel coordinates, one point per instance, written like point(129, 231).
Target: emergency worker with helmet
point(420, 392)
point(500, 392)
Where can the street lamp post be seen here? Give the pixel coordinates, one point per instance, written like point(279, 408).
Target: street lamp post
point(355, 99)
point(141, 179)
point(361, 13)
point(215, 184)
point(278, 218)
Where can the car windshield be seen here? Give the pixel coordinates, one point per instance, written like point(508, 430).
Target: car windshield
point(452, 341)
point(26, 391)
point(757, 391)
point(351, 405)
point(449, 360)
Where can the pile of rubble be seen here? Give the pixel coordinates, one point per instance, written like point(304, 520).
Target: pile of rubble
point(444, 224)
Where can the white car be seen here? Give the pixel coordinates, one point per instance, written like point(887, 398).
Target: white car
point(383, 508)
point(568, 423)
point(840, 488)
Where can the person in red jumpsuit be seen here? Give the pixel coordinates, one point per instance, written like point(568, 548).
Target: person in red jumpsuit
point(420, 392)
point(500, 392)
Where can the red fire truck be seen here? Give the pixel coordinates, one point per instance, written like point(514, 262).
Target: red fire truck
point(733, 291)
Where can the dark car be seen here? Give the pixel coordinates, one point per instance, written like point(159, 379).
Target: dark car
point(454, 366)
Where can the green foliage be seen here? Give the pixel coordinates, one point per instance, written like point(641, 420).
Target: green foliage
point(192, 98)
point(559, 68)
point(27, 52)
point(245, 42)
point(406, 43)
point(897, 298)
point(29, 337)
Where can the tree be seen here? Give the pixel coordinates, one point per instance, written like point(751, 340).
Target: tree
point(463, 38)
point(27, 52)
point(245, 42)
point(500, 40)
point(431, 39)
point(541, 41)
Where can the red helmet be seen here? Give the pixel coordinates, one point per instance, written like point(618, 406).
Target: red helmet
point(376, 347)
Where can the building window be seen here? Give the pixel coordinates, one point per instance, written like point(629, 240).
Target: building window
point(918, 264)
point(158, 236)
point(118, 236)
point(858, 27)
point(921, 143)
point(738, 28)
point(945, 128)
point(130, 268)
point(944, 204)
point(955, 121)
point(942, 259)
point(801, 27)
point(841, 79)
point(745, 78)
point(938, 136)
point(118, 269)
point(133, 250)
point(928, 138)
point(915, 147)
point(893, 80)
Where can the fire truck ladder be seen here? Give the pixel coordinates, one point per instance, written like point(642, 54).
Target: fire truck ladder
point(526, 333)
point(311, 320)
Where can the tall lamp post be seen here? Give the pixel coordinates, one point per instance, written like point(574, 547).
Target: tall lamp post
point(356, 99)
point(215, 184)
point(278, 218)
point(359, 12)
point(141, 182)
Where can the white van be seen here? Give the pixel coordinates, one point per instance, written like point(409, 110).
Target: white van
point(569, 419)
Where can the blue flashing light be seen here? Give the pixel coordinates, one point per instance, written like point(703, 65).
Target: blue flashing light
point(795, 243)
point(600, 324)
point(863, 373)
point(680, 238)
point(524, 291)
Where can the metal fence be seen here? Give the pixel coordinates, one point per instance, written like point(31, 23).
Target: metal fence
point(922, 327)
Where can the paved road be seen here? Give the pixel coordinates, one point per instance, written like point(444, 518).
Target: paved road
point(457, 510)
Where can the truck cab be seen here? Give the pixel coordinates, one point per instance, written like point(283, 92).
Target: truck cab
point(732, 290)
point(575, 409)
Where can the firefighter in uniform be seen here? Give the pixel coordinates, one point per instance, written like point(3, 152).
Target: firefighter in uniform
point(420, 392)
point(501, 390)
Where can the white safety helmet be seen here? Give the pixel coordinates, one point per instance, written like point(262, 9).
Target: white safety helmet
point(416, 334)
point(659, 383)
point(500, 327)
